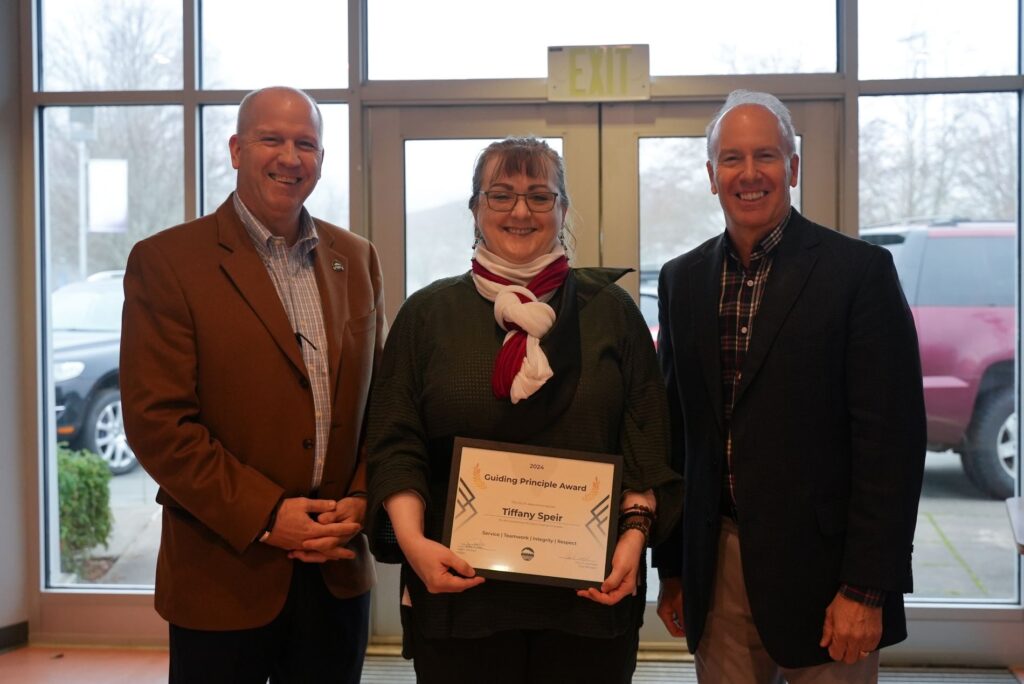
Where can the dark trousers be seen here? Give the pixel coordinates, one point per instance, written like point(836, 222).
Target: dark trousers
point(316, 637)
point(545, 656)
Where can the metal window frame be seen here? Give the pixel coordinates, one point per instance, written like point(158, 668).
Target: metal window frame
point(942, 632)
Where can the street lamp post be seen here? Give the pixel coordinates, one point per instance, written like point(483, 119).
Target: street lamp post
point(83, 130)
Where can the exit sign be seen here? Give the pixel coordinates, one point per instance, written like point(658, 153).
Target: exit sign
point(599, 73)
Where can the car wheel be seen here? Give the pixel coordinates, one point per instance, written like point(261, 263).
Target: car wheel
point(104, 432)
point(990, 453)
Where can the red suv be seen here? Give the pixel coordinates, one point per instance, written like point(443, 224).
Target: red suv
point(960, 280)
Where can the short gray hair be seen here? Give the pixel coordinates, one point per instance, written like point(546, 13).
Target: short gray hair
point(753, 97)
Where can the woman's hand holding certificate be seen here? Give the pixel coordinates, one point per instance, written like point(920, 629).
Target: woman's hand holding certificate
point(637, 515)
point(621, 581)
point(434, 563)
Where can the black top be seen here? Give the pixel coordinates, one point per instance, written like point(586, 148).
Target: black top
point(434, 384)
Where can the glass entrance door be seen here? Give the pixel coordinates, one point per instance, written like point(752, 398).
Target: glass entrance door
point(639, 192)
point(421, 169)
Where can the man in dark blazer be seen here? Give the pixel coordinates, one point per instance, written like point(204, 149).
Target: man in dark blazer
point(249, 340)
point(794, 382)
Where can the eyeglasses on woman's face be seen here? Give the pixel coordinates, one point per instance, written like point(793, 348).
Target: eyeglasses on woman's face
point(504, 200)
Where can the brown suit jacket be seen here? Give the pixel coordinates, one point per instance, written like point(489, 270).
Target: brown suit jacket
point(219, 410)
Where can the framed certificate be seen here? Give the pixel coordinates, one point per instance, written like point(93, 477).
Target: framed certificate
point(533, 514)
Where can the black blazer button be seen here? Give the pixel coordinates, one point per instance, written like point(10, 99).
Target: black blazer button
point(307, 444)
point(303, 383)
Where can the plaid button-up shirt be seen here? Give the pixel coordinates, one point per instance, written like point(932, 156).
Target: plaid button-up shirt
point(291, 270)
point(742, 290)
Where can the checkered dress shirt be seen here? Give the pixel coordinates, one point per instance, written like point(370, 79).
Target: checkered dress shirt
point(742, 290)
point(291, 270)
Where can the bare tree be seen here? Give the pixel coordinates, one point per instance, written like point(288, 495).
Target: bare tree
point(127, 46)
point(938, 156)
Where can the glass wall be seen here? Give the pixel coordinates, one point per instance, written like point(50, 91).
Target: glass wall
point(135, 101)
point(110, 176)
point(677, 32)
point(112, 173)
point(253, 45)
point(938, 187)
point(103, 45)
point(937, 39)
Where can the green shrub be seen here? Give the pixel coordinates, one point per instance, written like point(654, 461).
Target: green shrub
point(85, 519)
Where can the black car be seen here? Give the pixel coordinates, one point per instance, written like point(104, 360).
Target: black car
point(86, 320)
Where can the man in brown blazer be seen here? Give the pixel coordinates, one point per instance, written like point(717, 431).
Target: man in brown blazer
point(249, 340)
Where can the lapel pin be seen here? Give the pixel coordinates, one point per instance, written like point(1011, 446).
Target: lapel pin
point(338, 266)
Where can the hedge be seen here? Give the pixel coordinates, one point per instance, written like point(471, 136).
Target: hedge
point(85, 519)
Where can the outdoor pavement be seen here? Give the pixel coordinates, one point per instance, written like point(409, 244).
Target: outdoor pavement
point(135, 537)
point(963, 549)
point(963, 546)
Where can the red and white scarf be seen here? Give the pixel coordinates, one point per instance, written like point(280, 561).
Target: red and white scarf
point(520, 293)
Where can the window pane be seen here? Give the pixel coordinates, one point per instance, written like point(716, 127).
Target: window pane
point(330, 199)
point(937, 39)
point(678, 33)
point(677, 210)
point(938, 157)
point(111, 44)
point(438, 223)
point(972, 266)
point(111, 175)
point(938, 185)
point(262, 43)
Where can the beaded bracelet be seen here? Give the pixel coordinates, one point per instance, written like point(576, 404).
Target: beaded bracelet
point(639, 510)
point(643, 527)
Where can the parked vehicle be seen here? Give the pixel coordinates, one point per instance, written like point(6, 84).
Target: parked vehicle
point(959, 278)
point(86, 319)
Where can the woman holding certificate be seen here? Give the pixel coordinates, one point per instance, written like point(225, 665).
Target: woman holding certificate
point(522, 350)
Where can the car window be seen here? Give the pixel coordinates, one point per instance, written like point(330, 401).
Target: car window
point(896, 244)
point(967, 271)
point(91, 307)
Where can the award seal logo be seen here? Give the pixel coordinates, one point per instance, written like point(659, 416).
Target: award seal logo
point(526, 553)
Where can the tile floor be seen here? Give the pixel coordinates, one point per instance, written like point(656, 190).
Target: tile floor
point(46, 665)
